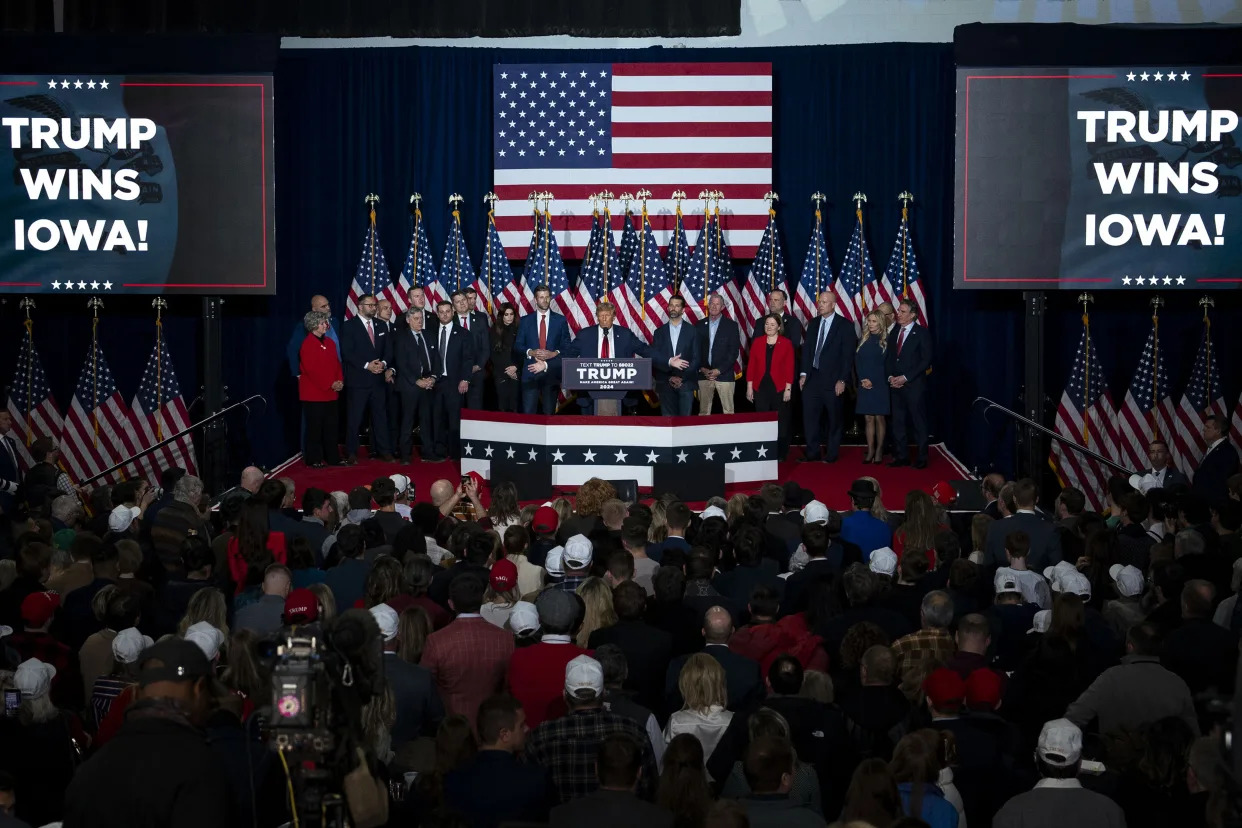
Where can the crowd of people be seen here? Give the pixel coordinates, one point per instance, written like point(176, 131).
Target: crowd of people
point(761, 661)
point(415, 374)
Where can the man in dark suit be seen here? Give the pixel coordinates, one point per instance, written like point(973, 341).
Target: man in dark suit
point(366, 354)
point(10, 469)
point(495, 787)
point(1162, 468)
point(542, 337)
point(827, 365)
point(647, 649)
point(615, 803)
point(475, 324)
point(719, 345)
point(1219, 463)
point(415, 357)
point(909, 357)
point(742, 677)
point(417, 297)
point(791, 328)
point(607, 340)
point(675, 361)
point(1045, 547)
point(454, 348)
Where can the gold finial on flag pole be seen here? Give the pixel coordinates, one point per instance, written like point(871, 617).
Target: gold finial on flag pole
point(417, 199)
point(490, 200)
point(818, 198)
point(625, 199)
point(643, 195)
point(770, 196)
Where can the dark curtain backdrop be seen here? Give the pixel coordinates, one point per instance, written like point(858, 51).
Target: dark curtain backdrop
point(875, 118)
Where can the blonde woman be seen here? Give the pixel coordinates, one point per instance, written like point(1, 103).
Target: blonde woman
point(326, 601)
point(597, 596)
point(736, 507)
point(877, 506)
point(205, 605)
point(873, 400)
point(702, 685)
point(658, 533)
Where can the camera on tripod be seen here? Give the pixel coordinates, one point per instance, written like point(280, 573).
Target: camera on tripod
point(302, 719)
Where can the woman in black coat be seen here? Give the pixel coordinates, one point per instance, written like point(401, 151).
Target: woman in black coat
point(504, 332)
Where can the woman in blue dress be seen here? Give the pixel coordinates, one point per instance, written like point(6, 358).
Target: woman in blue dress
point(872, 387)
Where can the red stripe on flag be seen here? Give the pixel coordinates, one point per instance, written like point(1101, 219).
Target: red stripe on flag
point(681, 160)
point(574, 192)
point(685, 69)
point(673, 129)
point(694, 98)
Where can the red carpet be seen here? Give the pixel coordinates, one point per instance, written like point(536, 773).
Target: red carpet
point(828, 481)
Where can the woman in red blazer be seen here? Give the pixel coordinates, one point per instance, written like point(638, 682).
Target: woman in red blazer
point(319, 383)
point(770, 377)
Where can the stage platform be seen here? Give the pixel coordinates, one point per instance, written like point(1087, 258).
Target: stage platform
point(829, 481)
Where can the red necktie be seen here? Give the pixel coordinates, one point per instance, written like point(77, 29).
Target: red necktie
point(371, 333)
point(465, 321)
point(604, 353)
point(543, 332)
point(901, 339)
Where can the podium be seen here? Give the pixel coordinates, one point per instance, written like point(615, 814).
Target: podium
point(606, 380)
point(577, 448)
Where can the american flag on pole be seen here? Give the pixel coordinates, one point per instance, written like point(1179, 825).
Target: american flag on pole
point(1086, 416)
point(648, 283)
point(419, 270)
point(1235, 426)
point(1147, 413)
point(711, 271)
point(550, 269)
point(99, 431)
point(854, 278)
point(767, 273)
point(629, 310)
point(629, 240)
point(371, 276)
point(901, 279)
point(456, 272)
point(580, 128)
point(677, 255)
point(30, 400)
point(519, 292)
point(599, 264)
point(816, 275)
point(159, 412)
point(1202, 396)
point(494, 270)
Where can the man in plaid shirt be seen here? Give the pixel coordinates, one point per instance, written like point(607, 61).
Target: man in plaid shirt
point(568, 746)
point(917, 653)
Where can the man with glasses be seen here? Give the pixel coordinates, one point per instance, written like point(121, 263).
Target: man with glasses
point(366, 352)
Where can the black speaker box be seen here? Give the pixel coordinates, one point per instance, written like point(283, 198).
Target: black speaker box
point(690, 482)
point(533, 480)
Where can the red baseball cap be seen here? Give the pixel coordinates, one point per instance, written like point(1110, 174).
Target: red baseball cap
point(945, 689)
point(39, 607)
point(545, 520)
point(504, 575)
point(943, 493)
point(301, 607)
point(984, 689)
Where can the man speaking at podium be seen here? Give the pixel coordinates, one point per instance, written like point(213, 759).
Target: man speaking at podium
point(608, 341)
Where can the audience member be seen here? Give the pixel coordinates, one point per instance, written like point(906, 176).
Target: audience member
point(536, 673)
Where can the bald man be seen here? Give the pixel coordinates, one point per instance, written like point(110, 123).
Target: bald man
point(742, 675)
point(263, 617)
point(889, 313)
point(320, 304)
point(251, 479)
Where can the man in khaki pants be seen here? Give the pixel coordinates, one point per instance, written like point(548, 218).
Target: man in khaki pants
point(719, 343)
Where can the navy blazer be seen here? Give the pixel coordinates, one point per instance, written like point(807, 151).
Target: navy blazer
point(1216, 467)
point(836, 358)
point(723, 353)
point(357, 351)
point(459, 358)
point(1172, 477)
point(661, 351)
point(624, 343)
point(410, 361)
point(480, 338)
point(559, 339)
point(915, 357)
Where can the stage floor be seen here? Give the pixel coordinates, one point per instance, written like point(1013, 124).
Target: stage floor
point(829, 481)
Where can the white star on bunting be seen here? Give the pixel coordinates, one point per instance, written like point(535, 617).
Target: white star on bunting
point(709, 455)
point(652, 457)
point(681, 456)
point(621, 455)
point(589, 457)
point(509, 453)
point(763, 451)
point(736, 453)
point(468, 449)
point(533, 455)
point(487, 452)
point(558, 456)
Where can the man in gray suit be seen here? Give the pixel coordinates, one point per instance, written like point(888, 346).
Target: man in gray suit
point(1045, 542)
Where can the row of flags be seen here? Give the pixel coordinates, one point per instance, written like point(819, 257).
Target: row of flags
point(1088, 416)
point(99, 430)
point(637, 279)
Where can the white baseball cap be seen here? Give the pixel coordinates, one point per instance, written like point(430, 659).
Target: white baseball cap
point(1129, 580)
point(815, 512)
point(1074, 583)
point(34, 678)
point(1041, 622)
point(1005, 580)
point(1060, 743)
point(401, 482)
point(1053, 574)
point(711, 512)
point(523, 618)
point(584, 673)
point(554, 561)
point(122, 516)
point(883, 561)
point(207, 637)
point(128, 645)
point(386, 617)
point(578, 550)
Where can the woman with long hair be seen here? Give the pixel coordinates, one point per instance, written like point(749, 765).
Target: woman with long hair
point(504, 334)
point(413, 628)
point(979, 536)
point(872, 797)
point(873, 402)
point(503, 510)
point(920, 527)
point(877, 506)
point(702, 686)
point(735, 509)
point(515, 545)
point(254, 548)
point(326, 601)
point(205, 605)
point(916, 770)
point(302, 563)
point(770, 377)
point(683, 789)
point(455, 746)
point(385, 584)
point(597, 596)
point(658, 531)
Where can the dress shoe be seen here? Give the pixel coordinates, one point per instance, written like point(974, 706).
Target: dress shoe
point(806, 459)
point(920, 464)
point(351, 460)
point(386, 458)
point(898, 462)
point(318, 465)
point(831, 459)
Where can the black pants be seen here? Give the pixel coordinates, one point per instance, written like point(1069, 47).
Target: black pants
point(446, 418)
point(820, 401)
point(358, 400)
point(506, 392)
point(416, 405)
point(474, 396)
point(910, 415)
point(768, 398)
point(321, 424)
point(539, 391)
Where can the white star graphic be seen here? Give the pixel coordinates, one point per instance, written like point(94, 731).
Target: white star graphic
point(541, 152)
point(763, 451)
point(502, 153)
point(1171, 75)
point(504, 75)
point(564, 74)
point(510, 452)
point(55, 285)
point(652, 456)
point(1153, 281)
point(81, 285)
point(543, 74)
point(1185, 76)
point(103, 84)
point(709, 455)
point(601, 150)
point(64, 84)
point(558, 456)
point(1144, 76)
point(560, 152)
point(469, 449)
point(681, 456)
point(581, 151)
point(521, 152)
point(487, 452)
point(77, 84)
point(543, 94)
point(523, 76)
point(1168, 280)
point(1125, 280)
point(573, 84)
point(533, 454)
point(621, 455)
point(51, 84)
point(1130, 76)
point(736, 453)
point(94, 285)
point(602, 73)
point(589, 457)
point(1181, 280)
point(1158, 76)
point(582, 74)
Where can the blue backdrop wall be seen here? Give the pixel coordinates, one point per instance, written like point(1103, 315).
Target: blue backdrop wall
point(875, 118)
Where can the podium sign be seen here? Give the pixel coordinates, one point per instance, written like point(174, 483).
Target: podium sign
point(606, 374)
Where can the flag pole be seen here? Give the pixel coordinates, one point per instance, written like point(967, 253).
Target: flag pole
point(586, 257)
point(860, 199)
point(94, 304)
point(26, 304)
point(418, 219)
point(1156, 302)
point(372, 199)
point(490, 199)
point(642, 254)
point(1086, 299)
point(606, 196)
point(771, 197)
point(819, 198)
point(905, 197)
point(159, 303)
point(1205, 303)
point(546, 196)
point(678, 196)
point(706, 195)
point(454, 200)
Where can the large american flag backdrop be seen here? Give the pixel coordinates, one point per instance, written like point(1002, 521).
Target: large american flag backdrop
point(579, 448)
point(578, 129)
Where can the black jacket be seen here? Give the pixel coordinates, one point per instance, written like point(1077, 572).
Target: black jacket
point(647, 654)
point(742, 678)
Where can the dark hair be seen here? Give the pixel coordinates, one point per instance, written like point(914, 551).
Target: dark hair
point(252, 532)
point(426, 517)
point(419, 572)
point(1144, 639)
point(383, 491)
point(408, 541)
point(1068, 619)
point(313, 499)
point(384, 582)
point(612, 661)
point(300, 556)
point(677, 516)
point(121, 610)
point(629, 600)
point(41, 448)
point(196, 553)
point(1135, 506)
point(948, 548)
point(785, 675)
point(34, 557)
point(621, 565)
point(502, 309)
point(765, 602)
point(480, 548)
point(669, 584)
point(815, 539)
point(1018, 544)
point(516, 541)
point(768, 758)
point(859, 584)
point(1229, 513)
point(634, 531)
point(349, 541)
point(272, 492)
point(699, 565)
point(618, 761)
point(504, 505)
point(373, 535)
point(748, 544)
point(466, 593)
point(914, 564)
point(84, 546)
point(683, 789)
point(1194, 507)
point(872, 796)
point(359, 498)
point(496, 713)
